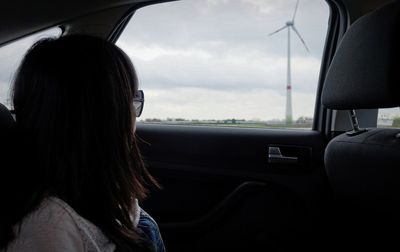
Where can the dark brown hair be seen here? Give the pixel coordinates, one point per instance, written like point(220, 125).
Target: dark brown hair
point(72, 98)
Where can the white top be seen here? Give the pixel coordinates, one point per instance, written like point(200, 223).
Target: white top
point(55, 227)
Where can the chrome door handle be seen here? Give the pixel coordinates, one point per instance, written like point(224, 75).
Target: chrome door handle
point(275, 157)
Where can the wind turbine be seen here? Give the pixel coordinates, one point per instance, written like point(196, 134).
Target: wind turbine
point(290, 26)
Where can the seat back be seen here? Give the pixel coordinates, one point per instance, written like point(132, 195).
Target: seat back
point(364, 168)
point(6, 119)
point(6, 125)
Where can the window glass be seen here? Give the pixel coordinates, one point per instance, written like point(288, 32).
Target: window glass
point(12, 54)
point(214, 62)
point(389, 118)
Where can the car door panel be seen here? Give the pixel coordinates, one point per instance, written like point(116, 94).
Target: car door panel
point(218, 186)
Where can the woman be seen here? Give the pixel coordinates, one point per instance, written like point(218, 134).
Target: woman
point(78, 173)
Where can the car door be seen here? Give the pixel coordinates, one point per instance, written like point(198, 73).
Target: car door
point(228, 184)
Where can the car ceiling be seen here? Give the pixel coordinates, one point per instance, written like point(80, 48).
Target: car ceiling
point(19, 18)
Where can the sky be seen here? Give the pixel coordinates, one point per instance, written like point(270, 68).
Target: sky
point(213, 59)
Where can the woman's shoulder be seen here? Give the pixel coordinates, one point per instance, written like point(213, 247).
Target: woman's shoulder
point(49, 227)
point(55, 226)
point(149, 228)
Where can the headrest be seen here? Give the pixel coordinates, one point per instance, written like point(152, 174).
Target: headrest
point(365, 71)
point(6, 119)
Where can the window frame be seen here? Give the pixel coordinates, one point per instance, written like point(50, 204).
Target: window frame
point(338, 23)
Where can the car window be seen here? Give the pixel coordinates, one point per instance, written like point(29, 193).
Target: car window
point(225, 62)
point(388, 118)
point(11, 55)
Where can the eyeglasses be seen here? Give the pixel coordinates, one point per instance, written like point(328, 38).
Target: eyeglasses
point(138, 102)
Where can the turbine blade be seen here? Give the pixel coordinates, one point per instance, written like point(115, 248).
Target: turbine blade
point(295, 10)
point(302, 40)
point(280, 29)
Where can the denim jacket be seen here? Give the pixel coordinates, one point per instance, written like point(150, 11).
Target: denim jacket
point(150, 231)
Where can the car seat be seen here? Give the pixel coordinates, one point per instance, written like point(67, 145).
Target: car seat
point(6, 119)
point(363, 165)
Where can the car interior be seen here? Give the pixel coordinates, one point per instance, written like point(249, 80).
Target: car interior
point(233, 189)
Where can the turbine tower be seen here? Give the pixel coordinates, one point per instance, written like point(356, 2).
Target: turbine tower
point(290, 26)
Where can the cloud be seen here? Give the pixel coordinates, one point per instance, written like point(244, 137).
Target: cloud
point(214, 53)
point(235, 68)
point(237, 22)
point(203, 103)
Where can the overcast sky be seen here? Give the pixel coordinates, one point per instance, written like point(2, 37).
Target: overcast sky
point(213, 59)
